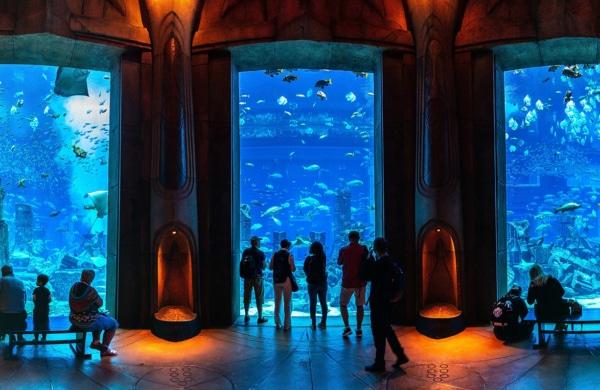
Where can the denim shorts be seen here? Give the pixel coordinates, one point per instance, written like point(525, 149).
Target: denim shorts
point(103, 322)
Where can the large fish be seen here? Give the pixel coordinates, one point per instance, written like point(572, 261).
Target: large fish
point(570, 206)
point(71, 81)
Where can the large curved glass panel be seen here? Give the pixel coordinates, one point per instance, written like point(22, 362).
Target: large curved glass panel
point(306, 166)
point(552, 137)
point(54, 176)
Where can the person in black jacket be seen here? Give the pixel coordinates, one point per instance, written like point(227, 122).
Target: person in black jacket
point(256, 282)
point(508, 316)
point(380, 272)
point(316, 278)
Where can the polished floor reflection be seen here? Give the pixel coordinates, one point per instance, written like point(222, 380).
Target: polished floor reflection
point(262, 358)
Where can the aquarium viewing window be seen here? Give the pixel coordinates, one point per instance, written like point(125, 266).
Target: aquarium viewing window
point(54, 176)
point(552, 152)
point(307, 167)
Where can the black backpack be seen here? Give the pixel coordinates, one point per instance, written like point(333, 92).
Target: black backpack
point(503, 312)
point(247, 265)
point(398, 283)
point(281, 266)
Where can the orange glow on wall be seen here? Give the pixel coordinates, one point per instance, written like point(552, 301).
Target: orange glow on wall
point(175, 300)
point(439, 275)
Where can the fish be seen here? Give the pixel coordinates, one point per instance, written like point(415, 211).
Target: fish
point(568, 96)
point(54, 213)
point(362, 75)
point(542, 227)
point(323, 208)
point(260, 101)
point(271, 210)
point(71, 82)
point(249, 165)
point(311, 168)
point(321, 186)
point(539, 105)
point(256, 226)
point(300, 95)
point(44, 175)
point(527, 100)
point(323, 83)
point(301, 242)
point(553, 68)
point(276, 175)
point(79, 152)
point(282, 100)
point(21, 183)
point(13, 110)
point(290, 78)
point(350, 97)
point(321, 95)
point(571, 72)
point(277, 221)
point(354, 183)
point(34, 123)
point(273, 72)
point(291, 154)
point(287, 113)
point(570, 206)
point(323, 136)
point(512, 124)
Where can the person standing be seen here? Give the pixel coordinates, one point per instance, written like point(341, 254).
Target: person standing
point(41, 306)
point(282, 265)
point(316, 279)
point(351, 258)
point(13, 316)
point(251, 269)
point(381, 273)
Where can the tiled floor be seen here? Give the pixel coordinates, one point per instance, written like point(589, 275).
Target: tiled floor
point(263, 358)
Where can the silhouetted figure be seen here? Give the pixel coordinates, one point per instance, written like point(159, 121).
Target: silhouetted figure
point(12, 303)
point(85, 303)
point(282, 264)
point(351, 258)
point(41, 306)
point(381, 272)
point(547, 294)
point(316, 278)
point(251, 269)
point(508, 315)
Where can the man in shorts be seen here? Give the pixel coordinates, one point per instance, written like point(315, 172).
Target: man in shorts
point(351, 258)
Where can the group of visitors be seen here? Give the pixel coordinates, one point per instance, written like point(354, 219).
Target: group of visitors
point(359, 266)
point(84, 303)
point(546, 292)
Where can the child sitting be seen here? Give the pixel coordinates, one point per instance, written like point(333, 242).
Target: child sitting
point(41, 306)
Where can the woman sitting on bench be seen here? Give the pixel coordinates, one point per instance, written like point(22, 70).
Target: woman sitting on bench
point(547, 292)
point(85, 303)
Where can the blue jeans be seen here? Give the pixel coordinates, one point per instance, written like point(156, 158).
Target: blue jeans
point(103, 322)
point(319, 290)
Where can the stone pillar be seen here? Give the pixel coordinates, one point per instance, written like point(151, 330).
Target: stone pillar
point(173, 197)
point(438, 202)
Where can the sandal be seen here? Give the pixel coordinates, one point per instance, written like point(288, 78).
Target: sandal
point(108, 352)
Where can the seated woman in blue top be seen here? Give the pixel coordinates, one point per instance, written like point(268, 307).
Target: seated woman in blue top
point(85, 303)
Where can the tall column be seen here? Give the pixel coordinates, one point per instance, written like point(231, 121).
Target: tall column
point(438, 206)
point(174, 215)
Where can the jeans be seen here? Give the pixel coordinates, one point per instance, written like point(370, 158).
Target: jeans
point(319, 290)
point(382, 331)
point(283, 290)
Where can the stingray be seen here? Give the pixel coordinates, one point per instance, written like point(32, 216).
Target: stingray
point(71, 81)
point(100, 201)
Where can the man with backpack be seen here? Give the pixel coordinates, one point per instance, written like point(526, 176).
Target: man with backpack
point(387, 284)
point(507, 317)
point(351, 258)
point(251, 270)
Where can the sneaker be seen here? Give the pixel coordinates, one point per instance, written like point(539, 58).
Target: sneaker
point(347, 332)
point(262, 320)
point(98, 346)
point(375, 367)
point(247, 319)
point(108, 352)
point(402, 359)
point(322, 325)
point(358, 332)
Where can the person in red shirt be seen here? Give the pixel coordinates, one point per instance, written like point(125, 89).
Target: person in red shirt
point(350, 258)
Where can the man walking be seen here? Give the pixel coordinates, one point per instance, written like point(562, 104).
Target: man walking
point(251, 269)
point(381, 272)
point(350, 258)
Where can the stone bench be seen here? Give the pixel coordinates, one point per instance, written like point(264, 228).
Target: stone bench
point(575, 325)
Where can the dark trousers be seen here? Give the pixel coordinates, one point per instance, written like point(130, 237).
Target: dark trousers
point(13, 322)
point(319, 290)
point(382, 331)
point(514, 332)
